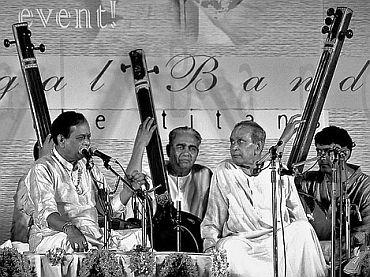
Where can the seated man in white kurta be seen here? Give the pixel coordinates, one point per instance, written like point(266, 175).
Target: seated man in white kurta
point(239, 215)
point(188, 184)
point(63, 190)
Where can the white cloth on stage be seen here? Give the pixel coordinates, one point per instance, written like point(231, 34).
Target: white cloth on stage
point(239, 220)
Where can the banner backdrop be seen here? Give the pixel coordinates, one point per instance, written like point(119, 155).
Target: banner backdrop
point(206, 92)
point(220, 61)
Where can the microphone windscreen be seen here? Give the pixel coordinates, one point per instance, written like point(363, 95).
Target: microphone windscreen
point(92, 150)
point(85, 152)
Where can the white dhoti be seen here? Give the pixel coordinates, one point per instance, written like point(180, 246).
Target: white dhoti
point(122, 240)
point(249, 257)
point(239, 220)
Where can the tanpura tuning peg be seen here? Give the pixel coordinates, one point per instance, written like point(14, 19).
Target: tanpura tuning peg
point(347, 34)
point(325, 29)
point(330, 12)
point(155, 70)
point(124, 67)
point(8, 42)
point(328, 21)
point(41, 48)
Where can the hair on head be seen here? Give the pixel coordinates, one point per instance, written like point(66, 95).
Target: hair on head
point(63, 123)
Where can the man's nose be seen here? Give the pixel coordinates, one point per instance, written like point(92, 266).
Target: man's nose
point(86, 142)
point(186, 151)
point(233, 146)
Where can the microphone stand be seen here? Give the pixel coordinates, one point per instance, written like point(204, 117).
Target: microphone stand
point(345, 205)
point(333, 216)
point(106, 206)
point(273, 152)
point(107, 218)
point(339, 183)
point(107, 212)
point(178, 225)
point(144, 211)
point(143, 194)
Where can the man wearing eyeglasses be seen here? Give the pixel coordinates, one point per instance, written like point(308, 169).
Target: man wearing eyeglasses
point(331, 144)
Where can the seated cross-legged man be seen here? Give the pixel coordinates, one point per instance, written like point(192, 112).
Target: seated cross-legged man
point(63, 190)
point(188, 184)
point(239, 214)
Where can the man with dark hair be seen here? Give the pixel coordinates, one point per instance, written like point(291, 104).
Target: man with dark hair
point(188, 181)
point(63, 188)
point(239, 213)
point(317, 186)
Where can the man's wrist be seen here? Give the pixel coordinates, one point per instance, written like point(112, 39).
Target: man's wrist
point(209, 249)
point(66, 226)
point(125, 196)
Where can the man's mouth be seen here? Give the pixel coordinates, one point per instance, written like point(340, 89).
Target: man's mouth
point(324, 165)
point(184, 161)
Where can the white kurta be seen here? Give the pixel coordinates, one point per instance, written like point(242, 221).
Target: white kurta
point(56, 186)
point(192, 190)
point(239, 220)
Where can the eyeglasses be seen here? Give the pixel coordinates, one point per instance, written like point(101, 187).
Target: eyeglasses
point(330, 152)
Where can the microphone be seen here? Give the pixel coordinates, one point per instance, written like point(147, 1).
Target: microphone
point(268, 154)
point(85, 152)
point(95, 152)
point(272, 151)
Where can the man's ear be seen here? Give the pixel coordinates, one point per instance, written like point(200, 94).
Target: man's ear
point(259, 148)
point(348, 154)
point(168, 150)
point(61, 140)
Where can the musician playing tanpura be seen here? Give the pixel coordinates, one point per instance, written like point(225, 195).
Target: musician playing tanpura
point(317, 186)
point(188, 182)
point(239, 214)
point(63, 191)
